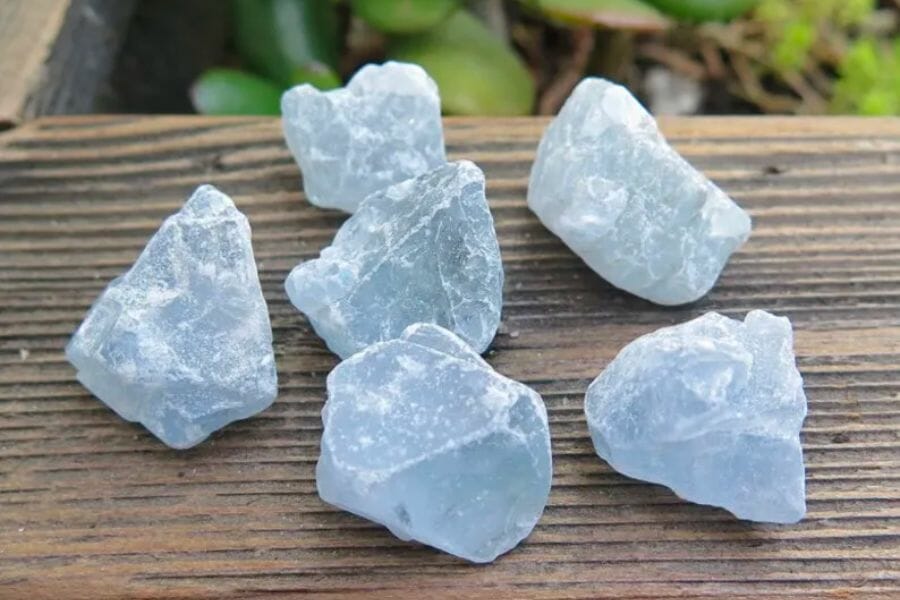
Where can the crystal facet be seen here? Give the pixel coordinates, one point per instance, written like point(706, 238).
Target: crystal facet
point(181, 342)
point(711, 408)
point(607, 182)
point(422, 436)
point(382, 128)
point(420, 251)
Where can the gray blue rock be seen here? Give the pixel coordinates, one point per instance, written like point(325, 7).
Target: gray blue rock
point(711, 408)
point(382, 128)
point(420, 251)
point(422, 436)
point(610, 186)
point(181, 342)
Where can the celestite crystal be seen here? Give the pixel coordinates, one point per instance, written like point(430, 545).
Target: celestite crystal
point(711, 408)
point(421, 251)
point(181, 342)
point(382, 128)
point(422, 436)
point(610, 186)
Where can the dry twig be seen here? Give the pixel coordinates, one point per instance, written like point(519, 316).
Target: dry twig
point(571, 73)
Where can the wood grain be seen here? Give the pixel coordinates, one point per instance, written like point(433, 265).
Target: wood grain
point(92, 507)
point(56, 54)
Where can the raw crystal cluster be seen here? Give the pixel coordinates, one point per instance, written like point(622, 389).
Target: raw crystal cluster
point(382, 128)
point(711, 408)
point(422, 436)
point(607, 183)
point(181, 342)
point(423, 250)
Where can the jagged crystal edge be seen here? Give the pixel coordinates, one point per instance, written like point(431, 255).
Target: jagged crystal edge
point(609, 185)
point(423, 250)
point(382, 128)
point(711, 408)
point(182, 342)
point(423, 437)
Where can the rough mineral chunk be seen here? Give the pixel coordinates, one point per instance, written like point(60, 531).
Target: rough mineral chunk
point(422, 436)
point(608, 184)
point(181, 342)
point(711, 408)
point(421, 251)
point(384, 127)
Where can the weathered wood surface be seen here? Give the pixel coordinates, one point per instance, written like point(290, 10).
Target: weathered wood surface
point(56, 55)
point(92, 507)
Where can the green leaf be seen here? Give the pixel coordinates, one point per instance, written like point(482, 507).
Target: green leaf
point(869, 79)
point(403, 16)
point(233, 92)
point(855, 12)
point(878, 103)
point(792, 50)
point(704, 10)
point(774, 13)
point(616, 14)
point(279, 38)
point(477, 73)
point(316, 75)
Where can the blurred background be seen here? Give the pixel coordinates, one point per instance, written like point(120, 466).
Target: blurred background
point(502, 57)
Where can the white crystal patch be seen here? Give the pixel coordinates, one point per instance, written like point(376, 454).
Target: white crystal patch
point(382, 128)
point(181, 342)
point(711, 408)
point(421, 251)
point(610, 186)
point(422, 436)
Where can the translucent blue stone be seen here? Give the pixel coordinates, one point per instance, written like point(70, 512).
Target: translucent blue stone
point(609, 185)
point(422, 436)
point(711, 408)
point(421, 251)
point(181, 342)
point(382, 128)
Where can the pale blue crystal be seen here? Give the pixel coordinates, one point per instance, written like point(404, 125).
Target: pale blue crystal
point(607, 183)
point(422, 436)
point(181, 342)
point(711, 408)
point(420, 251)
point(382, 128)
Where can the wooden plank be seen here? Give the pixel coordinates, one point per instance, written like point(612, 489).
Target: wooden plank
point(92, 507)
point(56, 54)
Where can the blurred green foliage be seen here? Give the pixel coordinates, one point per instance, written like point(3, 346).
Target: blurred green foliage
point(288, 41)
point(794, 26)
point(403, 16)
point(627, 14)
point(806, 36)
point(795, 39)
point(869, 82)
point(704, 10)
point(822, 53)
point(476, 72)
point(233, 92)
